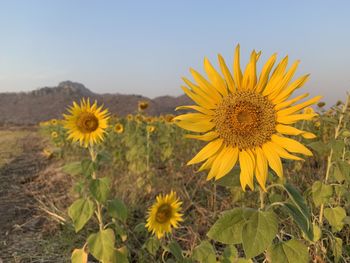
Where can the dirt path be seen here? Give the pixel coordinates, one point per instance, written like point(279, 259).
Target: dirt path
point(19, 223)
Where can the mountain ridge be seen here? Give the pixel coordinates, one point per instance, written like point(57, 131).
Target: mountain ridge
point(32, 107)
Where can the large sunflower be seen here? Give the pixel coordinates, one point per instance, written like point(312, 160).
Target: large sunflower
point(86, 123)
point(164, 214)
point(245, 117)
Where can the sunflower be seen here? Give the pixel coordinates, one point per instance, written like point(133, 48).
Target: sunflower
point(150, 128)
point(119, 128)
point(54, 122)
point(309, 110)
point(54, 134)
point(169, 118)
point(164, 214)
point(129, 117)
point(246, 118)
point(86, 123)
point(143, 105)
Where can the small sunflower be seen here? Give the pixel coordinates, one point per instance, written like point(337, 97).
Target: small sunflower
point(54, 122)
point(143, 105)
point(245, 118)
point(139, 118)
point(119, 128)
point(86, 123)
point(54, 134)
point(309, 110)
point(164, 214)
point(129, 117)
point(169, 118)
point(150, 128)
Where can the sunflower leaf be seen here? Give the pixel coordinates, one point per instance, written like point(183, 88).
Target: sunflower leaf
point(321, 193)
point(258, 232)
point(117, 209)
point(99, 189)
point(79, 256)
point(204, 253)
point(80, 212)
point(101, 245)
point(289, 252)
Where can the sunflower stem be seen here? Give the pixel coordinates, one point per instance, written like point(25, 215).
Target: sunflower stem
point(329, 159)
point(93, 155)
point(262, 198)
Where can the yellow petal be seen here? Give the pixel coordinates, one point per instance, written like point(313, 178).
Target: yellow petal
point(261, 168)
point(224, 163)
point(198, 99)
point(206, 86)
point(288, 130)
point(208, 150)
point(290, 145)
point(207, 164)
point(264, 76)
point(298, 107)
point(197, 108)
point(200, 91)
point(273, 159)
point(247, 166)
point(193, 117)
point(276, 77)
point(227, 74)
point(200, 126)
point(204, 137)
point(290, 89)
point(290, 102)
point(290, 119)
point(215, 78)
point(249, 77)
point(237, 73)
point(282, 152)
point(284, 82)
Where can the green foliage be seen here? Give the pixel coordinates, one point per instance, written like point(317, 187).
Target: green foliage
point(290, 251)
point(228, 228)
point(335, 217)
point(258, 232)
point(204, 253)
point(321, 193)
point(80, 212)
point(101, 245)
point(79, 256)
point(73, 168)
point(100, 188)
point(152, 245)
point(117, 209)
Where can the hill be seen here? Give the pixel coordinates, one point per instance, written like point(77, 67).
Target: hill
point(25, 108)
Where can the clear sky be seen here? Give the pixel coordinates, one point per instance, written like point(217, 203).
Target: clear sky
point(145, 47)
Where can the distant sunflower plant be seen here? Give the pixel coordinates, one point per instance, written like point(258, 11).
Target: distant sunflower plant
point(86, 123)
point(247, 119)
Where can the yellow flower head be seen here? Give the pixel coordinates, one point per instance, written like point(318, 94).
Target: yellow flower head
point(139, 118)
point(129, 117)
point(54, 134)
point(164, 214)
point(143, 105)
point(47, 153)
point(150, 128)
point(119, 128)
point(54, 122)
point(309, 110)
point(169, 118)
point(246, 117)
point(86, 123)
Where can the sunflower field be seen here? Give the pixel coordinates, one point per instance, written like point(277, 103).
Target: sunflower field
point(247, 173)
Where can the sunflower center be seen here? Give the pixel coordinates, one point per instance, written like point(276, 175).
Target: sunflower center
point(245, 119)
point(87, 122)
point(163, 213)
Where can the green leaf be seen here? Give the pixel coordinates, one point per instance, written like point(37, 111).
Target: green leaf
point(120, 257)
point(80, 212)
point(73, 168)
point(79, 256)
point(152, 245)
point(337, 246)
point(258, 232)
point(300, 219)
point(298, 200)
point(176, 251)
point(344, 168)
point(338, 175)
point(321, 193)
point(204, 253)
point(228, 228)
point(290, 251)
point(335, 217)
point(87, 167)
point(117, 209)
point(229, 254)
point(99, 189)
point(320, 147)
point(101, 245)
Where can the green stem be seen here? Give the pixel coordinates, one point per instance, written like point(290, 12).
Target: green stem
point(262, 198)
point(93, 156)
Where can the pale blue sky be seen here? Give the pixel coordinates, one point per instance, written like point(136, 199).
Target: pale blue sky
point(145, 47)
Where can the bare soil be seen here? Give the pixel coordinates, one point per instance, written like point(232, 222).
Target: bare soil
point(24, 211)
